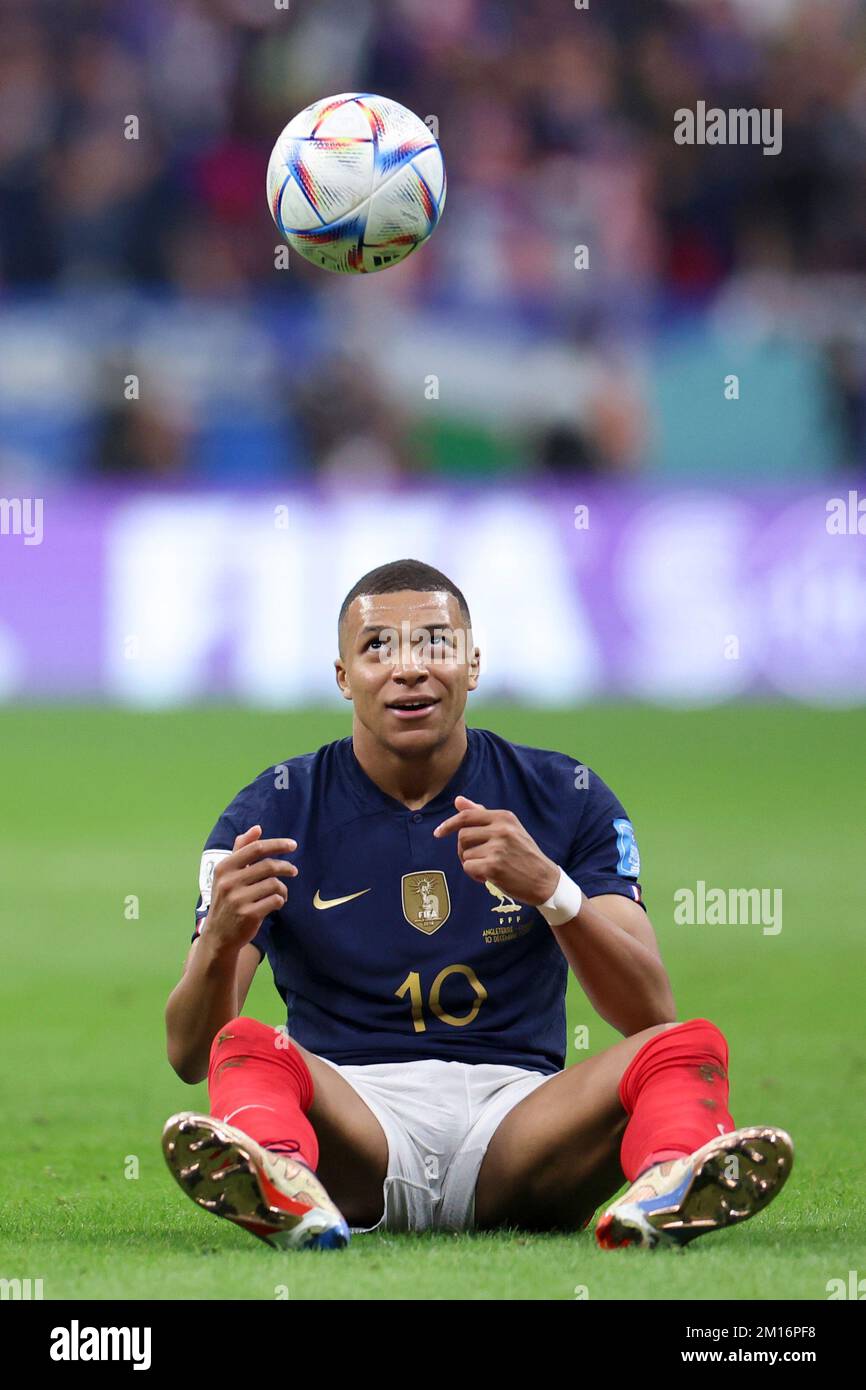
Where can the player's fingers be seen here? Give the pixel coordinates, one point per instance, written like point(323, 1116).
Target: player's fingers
point(477, 869)
point(272, 904)
point(247, 837)
point(272, 888)
point(247, 894)
point(471, 836)
point(262, 849)
point(476, 852)
point(476, 815)
point(266, 868)
point(467, 804)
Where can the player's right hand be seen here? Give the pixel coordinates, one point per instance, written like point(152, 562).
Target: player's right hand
point(247, 885)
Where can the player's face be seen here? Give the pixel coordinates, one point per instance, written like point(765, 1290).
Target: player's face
point(407, 665)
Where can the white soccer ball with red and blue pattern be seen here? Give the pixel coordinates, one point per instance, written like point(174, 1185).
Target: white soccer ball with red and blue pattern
point(356, 182)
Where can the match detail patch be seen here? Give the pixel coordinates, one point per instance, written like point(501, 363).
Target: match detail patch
point(629, 855)
point(209, 861)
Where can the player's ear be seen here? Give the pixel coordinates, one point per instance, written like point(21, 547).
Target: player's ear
point(342, 677)
point(474, 667)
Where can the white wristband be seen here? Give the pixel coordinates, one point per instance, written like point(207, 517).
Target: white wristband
point(563, 904)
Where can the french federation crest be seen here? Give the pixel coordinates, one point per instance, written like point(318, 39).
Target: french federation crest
point(426, 904)
point(504, 901)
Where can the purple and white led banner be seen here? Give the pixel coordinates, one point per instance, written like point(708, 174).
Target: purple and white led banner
point(577, 593)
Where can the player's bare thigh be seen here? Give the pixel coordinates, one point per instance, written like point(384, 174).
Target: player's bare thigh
point(353, 1150)
point(555, 1157)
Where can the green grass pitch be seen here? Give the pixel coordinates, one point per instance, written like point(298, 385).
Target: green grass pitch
point(101, 805)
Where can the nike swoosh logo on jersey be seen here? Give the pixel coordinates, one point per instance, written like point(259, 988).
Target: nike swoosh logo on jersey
point(324, 903)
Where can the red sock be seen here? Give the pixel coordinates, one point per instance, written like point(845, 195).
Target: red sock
point(259, 1082)
point(676, 1091)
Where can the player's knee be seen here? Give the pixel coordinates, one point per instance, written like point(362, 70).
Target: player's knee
point(242, 1034)
point(697, 1025)
point(699, 1032)
point(656, 1028)
point(683, 1023)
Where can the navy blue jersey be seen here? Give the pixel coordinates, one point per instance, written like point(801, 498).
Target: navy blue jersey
point(385, 950)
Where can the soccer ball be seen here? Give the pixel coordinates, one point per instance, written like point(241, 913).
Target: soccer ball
point(356, 182)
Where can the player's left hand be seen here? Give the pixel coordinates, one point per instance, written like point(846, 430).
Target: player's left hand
point(494, 847)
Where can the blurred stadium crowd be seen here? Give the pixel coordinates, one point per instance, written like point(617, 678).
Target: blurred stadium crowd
point(154, 256)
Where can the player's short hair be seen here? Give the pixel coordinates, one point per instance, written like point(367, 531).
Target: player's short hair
point(403, 574)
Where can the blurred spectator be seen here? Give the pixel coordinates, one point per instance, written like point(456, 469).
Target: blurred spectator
point(142, 440)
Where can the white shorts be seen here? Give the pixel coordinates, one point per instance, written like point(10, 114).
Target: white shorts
point(438, 1119)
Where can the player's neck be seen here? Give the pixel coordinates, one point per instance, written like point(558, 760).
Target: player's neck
point(414, 781)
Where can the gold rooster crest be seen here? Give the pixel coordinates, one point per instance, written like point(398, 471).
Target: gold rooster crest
point(505, 902)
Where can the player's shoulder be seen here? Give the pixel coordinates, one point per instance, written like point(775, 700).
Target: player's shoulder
point(287, 782)
point(528, 758)
point(549, 771)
